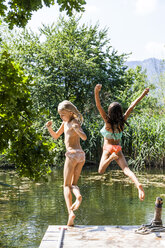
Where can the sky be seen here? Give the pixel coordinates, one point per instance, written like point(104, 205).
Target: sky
point(134, 26)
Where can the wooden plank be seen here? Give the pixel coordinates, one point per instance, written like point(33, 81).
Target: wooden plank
point(51, 237)
point(61, 237)
point(101, 236)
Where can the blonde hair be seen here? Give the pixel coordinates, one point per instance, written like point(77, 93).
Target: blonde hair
point(66, 105)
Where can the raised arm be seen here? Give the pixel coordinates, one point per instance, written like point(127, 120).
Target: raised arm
point(133, 104)
point(57, 134)
point(98, 104)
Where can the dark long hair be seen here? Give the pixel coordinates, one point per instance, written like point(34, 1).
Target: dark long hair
point(115, 116)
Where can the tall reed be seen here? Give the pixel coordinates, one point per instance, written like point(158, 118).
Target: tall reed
point(144, 141)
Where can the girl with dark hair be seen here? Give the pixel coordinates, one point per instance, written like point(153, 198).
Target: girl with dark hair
point(112, 132)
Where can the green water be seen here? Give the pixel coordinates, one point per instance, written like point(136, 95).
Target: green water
point(28, 208)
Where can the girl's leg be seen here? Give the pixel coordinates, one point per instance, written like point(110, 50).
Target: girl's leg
point(69, 167)
point(106, 158)
point(75, 188)
point(124, 166)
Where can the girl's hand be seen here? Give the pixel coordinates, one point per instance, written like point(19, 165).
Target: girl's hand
point(49, 124)
point(146, 91)
point(98, 87)
point(75, 126)
point(79, 131)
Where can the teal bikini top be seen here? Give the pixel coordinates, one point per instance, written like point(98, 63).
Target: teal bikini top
point(109, 135)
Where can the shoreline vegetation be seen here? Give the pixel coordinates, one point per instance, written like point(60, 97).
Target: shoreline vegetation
point(65, 61)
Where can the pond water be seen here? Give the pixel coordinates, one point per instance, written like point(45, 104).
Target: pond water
point(27, 208)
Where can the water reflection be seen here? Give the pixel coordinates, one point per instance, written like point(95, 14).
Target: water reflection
point(27, 208)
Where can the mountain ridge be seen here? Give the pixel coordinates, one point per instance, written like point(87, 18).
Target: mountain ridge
point(153, 67)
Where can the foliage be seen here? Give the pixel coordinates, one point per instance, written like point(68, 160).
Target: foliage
point(69, 63)
point(16, 12)
point(65, 61)
point(19, 139)
point(144, 141)
point(93, 145)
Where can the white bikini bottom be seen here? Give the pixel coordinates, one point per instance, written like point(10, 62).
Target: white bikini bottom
point(76, 154)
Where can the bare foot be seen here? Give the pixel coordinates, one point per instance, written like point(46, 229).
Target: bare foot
point(77, 203)
point(114, 156)
point(71, 219)
point(105, 164)
point(141, 192)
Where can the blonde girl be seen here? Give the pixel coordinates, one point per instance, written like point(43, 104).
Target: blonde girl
point(75, 156)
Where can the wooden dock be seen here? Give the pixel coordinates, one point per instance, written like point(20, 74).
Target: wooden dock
point(100, 236)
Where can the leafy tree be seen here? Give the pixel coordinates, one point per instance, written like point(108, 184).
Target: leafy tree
point(16, 12)
point(66, 60)
point(19, 140)
point(68, 64)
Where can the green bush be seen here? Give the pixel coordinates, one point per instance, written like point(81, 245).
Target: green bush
point(144, 141)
